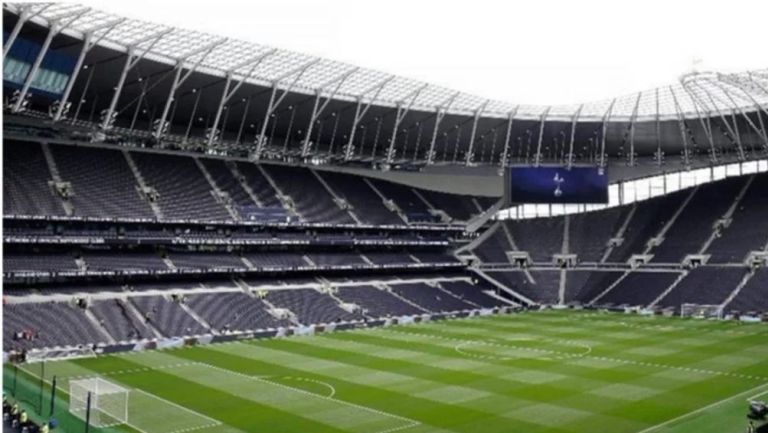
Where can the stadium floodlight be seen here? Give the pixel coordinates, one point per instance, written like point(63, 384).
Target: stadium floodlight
point(108, 402)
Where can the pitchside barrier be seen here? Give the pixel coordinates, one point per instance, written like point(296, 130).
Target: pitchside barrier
point(167, 343)
point(44, 398)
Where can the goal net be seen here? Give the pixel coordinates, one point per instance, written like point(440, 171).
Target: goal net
point(700, 311)
point(108, 405)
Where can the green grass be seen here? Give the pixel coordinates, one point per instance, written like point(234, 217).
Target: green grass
point(536, 372)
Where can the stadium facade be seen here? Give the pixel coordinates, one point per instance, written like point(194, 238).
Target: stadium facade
point(162, 183)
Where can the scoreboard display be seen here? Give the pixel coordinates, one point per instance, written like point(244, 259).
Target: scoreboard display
point(557, 185)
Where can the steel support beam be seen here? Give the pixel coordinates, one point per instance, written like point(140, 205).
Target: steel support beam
point(705, 125)
point(360, 112)
point(632, 121)
point(88, 43)
point(274, 102)
point(574, 122)
point(56, 26)
point(734, 133)
point(681, 125)
point(606, 119)
point(131, 60)
point(478, 111)
point(318, 108)
point(228, 93)
point(760, 132)
point(25, 14)
point(179, 78)
point(503, 161)
point(442, 109)
point(402, 111)
point(542, 122)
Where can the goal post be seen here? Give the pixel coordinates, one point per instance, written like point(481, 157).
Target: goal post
point(108, 402)
point(701, 311)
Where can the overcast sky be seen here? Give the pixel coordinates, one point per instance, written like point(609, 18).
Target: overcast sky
point(531, 52)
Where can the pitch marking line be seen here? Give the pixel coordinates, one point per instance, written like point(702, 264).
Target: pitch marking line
point(410, 422)
point(566, 355)
point(214, 423)
point(318, 382)
point(703, 409)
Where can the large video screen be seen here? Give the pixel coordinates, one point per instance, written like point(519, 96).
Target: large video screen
point(578, 184)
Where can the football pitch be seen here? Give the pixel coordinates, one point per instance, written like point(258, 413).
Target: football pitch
point(533, 372)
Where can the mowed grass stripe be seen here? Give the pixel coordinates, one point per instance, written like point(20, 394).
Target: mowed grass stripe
point(456, 418)
point(672, 349)
point(665, 402)
point(313, 406)
point(541, 399)
point(238, 412)
point(681, 359)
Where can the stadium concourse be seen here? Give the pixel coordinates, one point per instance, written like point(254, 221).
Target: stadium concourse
point(164, 189)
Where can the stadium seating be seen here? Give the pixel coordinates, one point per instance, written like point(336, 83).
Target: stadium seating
point(639, 288)
point(53, 324)
point(470, 293)
point(167, 316)
point(102, 183)
point(183, 191)
point(310, 306)
point(746, 232)
point(590, 232)
point(365, 203)
point(226, 181)
point(429, 297)
point(118, 320)
point(752, 297)
point(38, 262)
point(26, 188)
point(540, 237)
point(313, 202)
point(233, 311)
point(377, 302)
point(695, 224)
point(584, 286)
point(705, 285)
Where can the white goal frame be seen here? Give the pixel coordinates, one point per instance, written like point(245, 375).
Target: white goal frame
point(109, 401)
point(705, 311)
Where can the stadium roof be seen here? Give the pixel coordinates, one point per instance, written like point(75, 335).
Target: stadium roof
point(695, 95)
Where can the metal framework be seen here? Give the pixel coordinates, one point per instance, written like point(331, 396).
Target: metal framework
point(125, 36)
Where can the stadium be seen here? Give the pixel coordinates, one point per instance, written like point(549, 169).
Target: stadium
point(203, 234)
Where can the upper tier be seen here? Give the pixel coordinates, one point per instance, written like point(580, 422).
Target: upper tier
point(67, 181)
